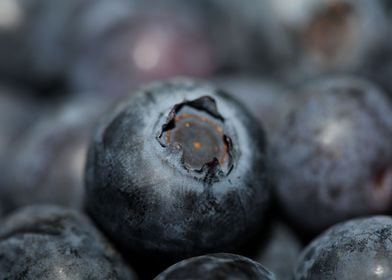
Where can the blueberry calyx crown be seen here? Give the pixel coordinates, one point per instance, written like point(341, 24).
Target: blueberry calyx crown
point(195, 129)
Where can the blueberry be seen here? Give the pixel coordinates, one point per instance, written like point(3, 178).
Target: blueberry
point(47, 242)
point(217, 266)
point(280, 251)
point(46, 162)
point(40, 39)
point(332, 153)
point(356, 249)
point(156, 41)
point(177, 170)
point(332, 36)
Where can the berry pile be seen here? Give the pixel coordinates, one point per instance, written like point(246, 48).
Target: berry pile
point(200, 140)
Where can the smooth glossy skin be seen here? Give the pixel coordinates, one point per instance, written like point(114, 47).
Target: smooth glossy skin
point(217, 266)
point(45, 162)
point(47, 242)
point(332, 154)
point(153, 199)
point(358, 249)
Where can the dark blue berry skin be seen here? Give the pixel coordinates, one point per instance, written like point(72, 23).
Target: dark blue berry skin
point(217, 266)
point(357, 249)
point(48, 242)
point(161, 199)
point(45, 162)
point(332, 153)
point(280, 252)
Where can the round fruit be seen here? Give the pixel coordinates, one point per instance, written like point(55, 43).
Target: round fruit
point(177, 170)
point(48, 242)
point(45, 163)
point(333, 153)
point(217, 266)
point(357, 249)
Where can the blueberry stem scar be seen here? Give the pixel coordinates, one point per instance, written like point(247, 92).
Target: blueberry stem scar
point(195, 129)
